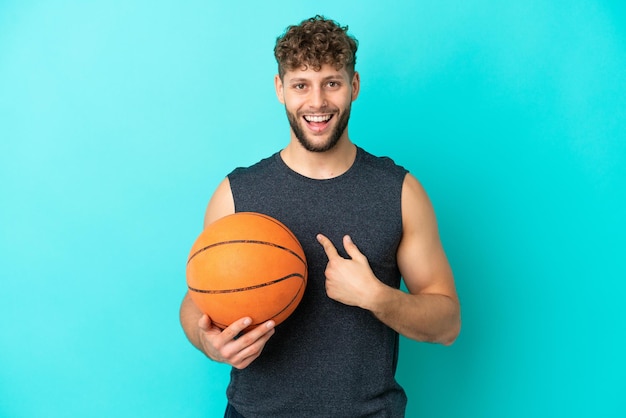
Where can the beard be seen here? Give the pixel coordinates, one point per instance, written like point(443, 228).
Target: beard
point(307, 143)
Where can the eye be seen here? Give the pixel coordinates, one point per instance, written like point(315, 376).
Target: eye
point(333, 84)
point(299, 86)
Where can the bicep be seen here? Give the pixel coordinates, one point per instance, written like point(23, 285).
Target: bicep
point(421, 257)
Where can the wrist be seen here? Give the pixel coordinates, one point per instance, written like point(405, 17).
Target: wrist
point(377, 297)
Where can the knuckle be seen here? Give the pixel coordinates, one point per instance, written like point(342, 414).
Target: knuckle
point(246, 339)
point(226, 354)
point(229, 333)
point(240, 366)
point(254, 351)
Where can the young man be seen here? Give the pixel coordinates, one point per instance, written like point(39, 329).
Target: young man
point(364, 224)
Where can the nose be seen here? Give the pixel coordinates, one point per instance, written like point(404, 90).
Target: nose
point(318, 98)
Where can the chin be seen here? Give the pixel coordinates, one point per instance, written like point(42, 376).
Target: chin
point(318, 146)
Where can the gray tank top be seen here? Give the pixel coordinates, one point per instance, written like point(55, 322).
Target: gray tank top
point(327, 359)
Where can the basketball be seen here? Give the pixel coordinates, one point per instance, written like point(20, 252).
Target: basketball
point(246, 264)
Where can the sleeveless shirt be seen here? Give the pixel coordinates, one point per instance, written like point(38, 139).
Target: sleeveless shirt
point(327, 359)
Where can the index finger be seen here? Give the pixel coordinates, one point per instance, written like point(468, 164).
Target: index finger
point(234, 329)
point(329, 248)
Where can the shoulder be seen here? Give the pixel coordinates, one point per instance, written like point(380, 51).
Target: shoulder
point(417, 208)
point(220, 204)
point(382, 164)
point(413, 188)
point(381, 172)
point(255, 169)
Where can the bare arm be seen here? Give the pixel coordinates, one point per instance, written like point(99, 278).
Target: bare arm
point(212, 341)
point(430, 311)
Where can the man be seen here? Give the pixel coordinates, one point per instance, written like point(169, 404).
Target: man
point(364, 223)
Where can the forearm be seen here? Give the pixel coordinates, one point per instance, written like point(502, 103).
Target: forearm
point(423, 317)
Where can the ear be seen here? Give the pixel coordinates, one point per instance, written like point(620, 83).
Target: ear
point(278, 85)
point(356, 85)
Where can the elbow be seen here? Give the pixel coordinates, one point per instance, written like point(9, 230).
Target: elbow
point(446, 335)
point(451, 337)
point(454, 329)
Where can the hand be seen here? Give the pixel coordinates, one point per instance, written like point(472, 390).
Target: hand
point(221, 345)
point(349, 280)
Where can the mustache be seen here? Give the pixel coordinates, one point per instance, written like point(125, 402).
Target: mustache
point(321, 110)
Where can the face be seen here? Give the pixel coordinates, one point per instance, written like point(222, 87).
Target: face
point(318, 105)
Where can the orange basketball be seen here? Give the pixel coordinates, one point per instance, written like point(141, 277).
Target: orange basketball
point(246, 264)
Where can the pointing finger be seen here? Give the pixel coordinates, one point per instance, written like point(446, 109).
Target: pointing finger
point(329, 248)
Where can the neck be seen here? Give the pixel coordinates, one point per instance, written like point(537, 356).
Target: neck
point(320, 165)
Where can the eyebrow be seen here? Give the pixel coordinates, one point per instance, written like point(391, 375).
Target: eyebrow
point(327, 78)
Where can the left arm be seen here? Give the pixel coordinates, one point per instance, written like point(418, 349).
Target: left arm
point(431, 310)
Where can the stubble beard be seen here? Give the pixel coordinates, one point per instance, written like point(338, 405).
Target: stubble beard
point(309, 145)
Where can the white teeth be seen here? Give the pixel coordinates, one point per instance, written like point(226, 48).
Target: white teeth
point(316, 118)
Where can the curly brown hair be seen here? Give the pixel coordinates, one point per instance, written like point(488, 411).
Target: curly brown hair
point(313, 43)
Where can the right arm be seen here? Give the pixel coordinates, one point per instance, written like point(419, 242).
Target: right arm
point(216, 344)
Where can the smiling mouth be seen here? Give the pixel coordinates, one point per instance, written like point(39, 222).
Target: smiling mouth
point(317, 118)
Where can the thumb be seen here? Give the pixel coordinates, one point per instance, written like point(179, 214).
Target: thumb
point(204, 322)
point(351, 248)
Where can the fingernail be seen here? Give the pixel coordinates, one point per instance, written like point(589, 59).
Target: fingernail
point(247, 321)
point(270, 324)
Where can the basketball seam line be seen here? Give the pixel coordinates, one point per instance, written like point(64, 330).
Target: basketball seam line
point(275, 221)
point(243, 289)
point(245, 241)
point(295, 297)
point(273, 316)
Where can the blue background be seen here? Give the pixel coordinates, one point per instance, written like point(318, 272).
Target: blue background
point(119, 118)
